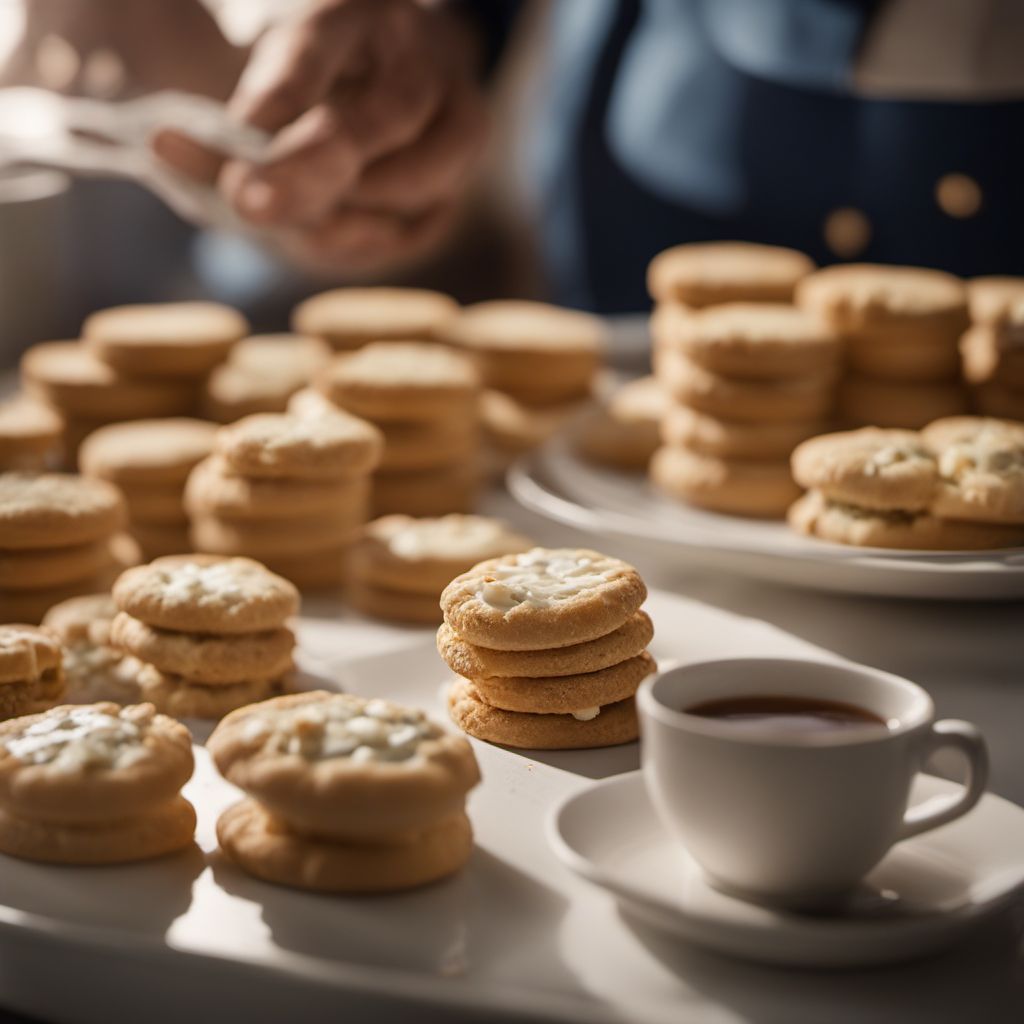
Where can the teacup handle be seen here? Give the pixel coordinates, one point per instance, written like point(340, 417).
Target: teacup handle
point(939, 810)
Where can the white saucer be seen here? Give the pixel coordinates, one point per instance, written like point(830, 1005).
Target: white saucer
point(925, 894)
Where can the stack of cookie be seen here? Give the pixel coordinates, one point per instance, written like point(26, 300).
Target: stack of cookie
point(210, 632)
point(58, 537)
point(31, 435)
point(261, 374)
point(901, 327)
point(625, 431)
point(344, 794)
point(749, 381)
point(31, 671)
point(956, 485)
point(348, 318)
point(540, 360)
point(400, 566)
point(424, 399)
point(993, 348)
point(549, 647)
point(149, 461)
point(289, 491)
point(94, 784)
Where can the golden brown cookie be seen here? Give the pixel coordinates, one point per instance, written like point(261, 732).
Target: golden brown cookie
point(882, 403)
point(206, 594)
point(65, 374)
point(265, 848)
point(55, 509)
point(320, 569)
point(733, 486)
point(542, 598)
point(512, 427)
point(683, 427)
point(30, 434)
point(473, 661)
point(432, 492)
point(155, 504)
point(27, 653)
point(174, 339)
point(349, 318)
point(273, 539)
point(146, 452)
point(181, 698)
point(816, 516)
point(32, 605)
point(707, 273)
point(39, 568)
point(615, 724)
point(393, 380)
point(428, 444)
point(340, 766)
point(625, 432)
point(870, 467)
point(157, 540)
point(82, 764)
point(904, 352)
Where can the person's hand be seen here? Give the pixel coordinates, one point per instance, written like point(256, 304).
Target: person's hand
point(377, 121)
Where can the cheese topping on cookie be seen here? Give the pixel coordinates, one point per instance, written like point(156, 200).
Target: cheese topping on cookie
point(344, 726)
point(72, 739)
point(193, 582)
point(452, 536)
point(542, 578)
point(892, 454)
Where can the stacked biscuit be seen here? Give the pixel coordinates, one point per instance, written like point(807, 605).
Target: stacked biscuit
point(956, 485)
point(901, 327)
point(344, 794)
point(31, 670)
point(749, 382)
point(261, 374)
point(624, 432)
point(94, 784)
point(31, 435)
point(210, 632)
point(149, 461)
point(58, 538)
point(536, 363)
point(993, 347)
point(549, 647)
point(400, 566)
point(424, 399)
point(289, 491)
point(348, 318)
point(133, 362)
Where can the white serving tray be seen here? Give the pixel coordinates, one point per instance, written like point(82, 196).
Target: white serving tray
point(515, 936)
point(558, 484)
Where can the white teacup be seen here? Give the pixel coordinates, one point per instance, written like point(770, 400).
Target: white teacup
point(794, 818)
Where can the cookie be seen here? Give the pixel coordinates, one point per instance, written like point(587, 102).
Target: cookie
point(881, 403)
point(870, 467)
point(146, 452)
point(472, 661)
point(422, 556)
point(434, 492)
point(274, 539)
point(38, 568)
point(855, 296)
point(82, 619)
point(206, 594)
point(337, 766)
point(287, 447)
point(30, 434)
point(542, 598)
point(751, 401)
point(539, 353)
point(429, 444)
point(901, 352)
point(174, 339)
point(56, 509)
point(994, 355)
point(160, 830)
point(683, 427)
point(615, 724)
point(308, 403)
point(90, 763)
point(991, 299)
point(155, 504)
point(47, 692)
point(626, 431)
point(763, 341)
point(179, 697)
point(707, 273)
point(951, 430)
point(214, 490)
point(263, 847)
point(393, 380)
point(563, 695)
point(349, 318)
point(204, 658)
point(157, 540)
point(27, 653)
point(65, 374)
point(320, 569)
point(394, 605)
point(17, 699)
point(262, 374)
point(32, 605)
point(816, 516)
point(512, 427)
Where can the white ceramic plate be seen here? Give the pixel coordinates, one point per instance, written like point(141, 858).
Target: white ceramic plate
point(515, 936)
point(925, 894)
point(555, 483)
